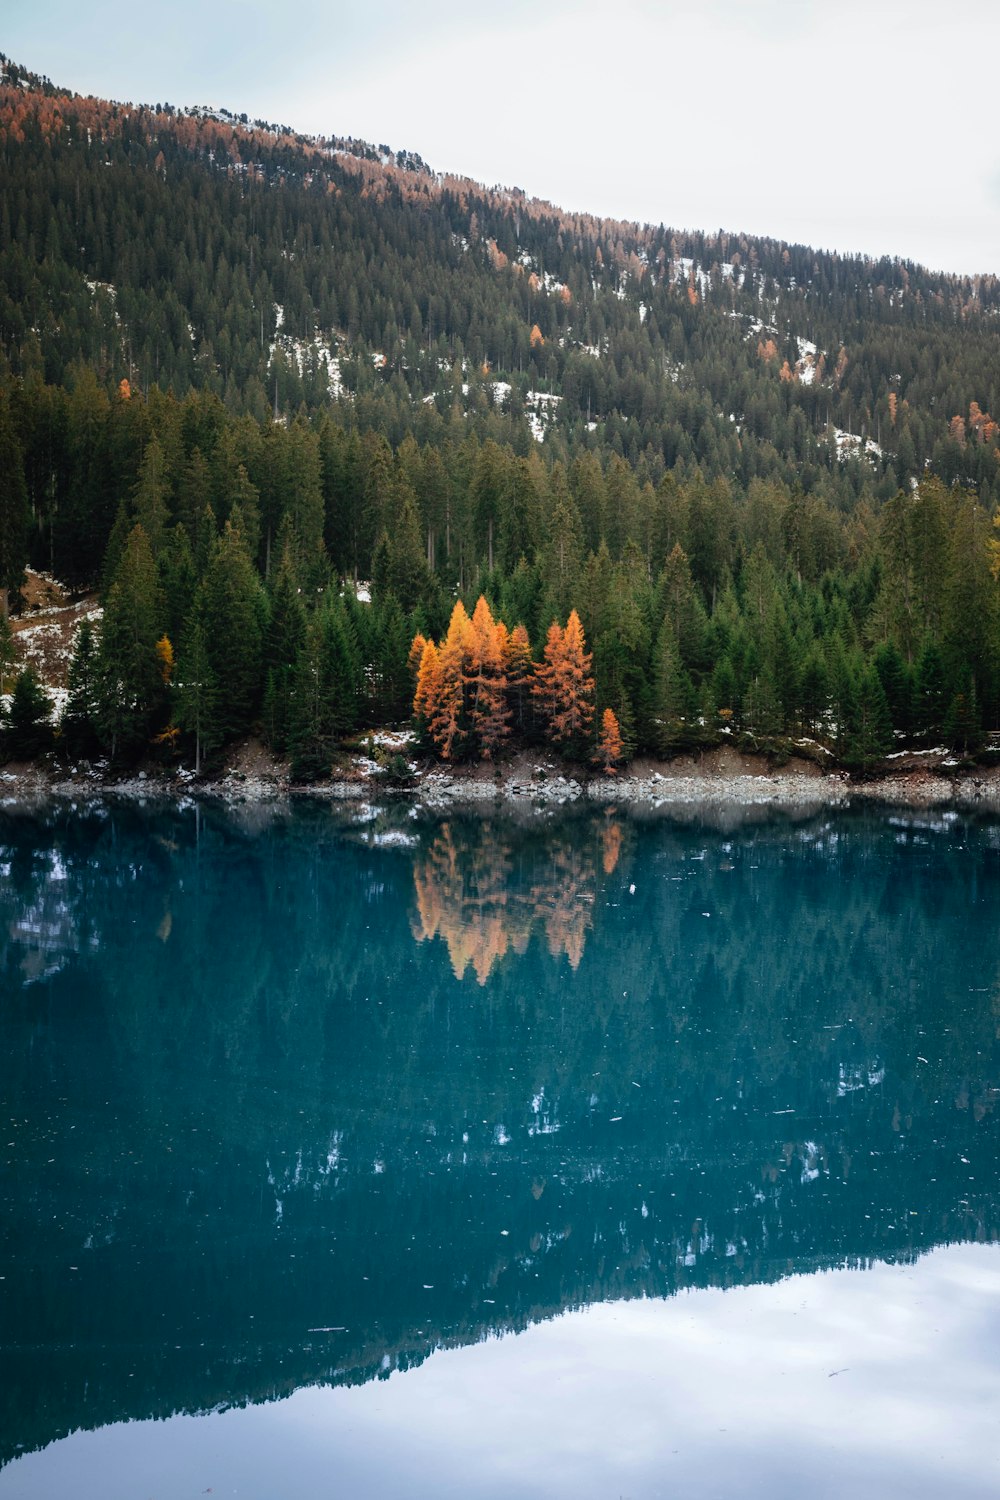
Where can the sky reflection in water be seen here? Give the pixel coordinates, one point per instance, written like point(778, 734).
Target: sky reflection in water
point(867, 1382)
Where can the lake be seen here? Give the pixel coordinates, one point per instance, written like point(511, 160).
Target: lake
point(361, 1152)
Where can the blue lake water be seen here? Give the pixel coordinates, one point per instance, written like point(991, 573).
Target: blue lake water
point(366, 1153)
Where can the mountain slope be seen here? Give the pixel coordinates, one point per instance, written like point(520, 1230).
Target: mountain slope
point(197, 250)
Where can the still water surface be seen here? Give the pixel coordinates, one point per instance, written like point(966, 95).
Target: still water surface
point(592, 1157)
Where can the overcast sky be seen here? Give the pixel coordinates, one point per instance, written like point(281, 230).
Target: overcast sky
point(842, 124)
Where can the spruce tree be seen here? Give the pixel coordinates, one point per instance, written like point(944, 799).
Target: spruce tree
point(81, 716)
point(196, 692)
point(283, 643)
point(130, 680)
point(28, 732)
point(870, 735)
point(14, 515)
point(7, 654)
point(233, 611)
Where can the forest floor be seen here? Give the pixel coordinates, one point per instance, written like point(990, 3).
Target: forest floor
point(49, 618)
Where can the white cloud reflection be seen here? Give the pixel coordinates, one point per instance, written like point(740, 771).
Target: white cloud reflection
point(881, 1382)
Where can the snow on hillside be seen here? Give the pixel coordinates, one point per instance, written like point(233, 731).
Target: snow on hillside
point(851, 445)
point(45, 632)
point(318, 351)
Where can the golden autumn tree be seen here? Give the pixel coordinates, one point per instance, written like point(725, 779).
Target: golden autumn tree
point(165, 655)
point(425, 694)
point(447, 717)
point(416, 654)
point(609, 749)
point(563, 688)
point(486, 682)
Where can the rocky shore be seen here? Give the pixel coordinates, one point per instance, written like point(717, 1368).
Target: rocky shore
point(719, 778)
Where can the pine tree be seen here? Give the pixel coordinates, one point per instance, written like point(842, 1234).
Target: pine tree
point(129, 670)
point(196, 692)
point(962, 726)
point(284, 639)
point(341, 667)
point(28, 732)
point(175, 567)
point(671, 702)
point(78, 726)
point(7, 654)
point(14, 515)
point(930, 694)
point(233, 611)
point(406, 565)
point(519, 669)
point(324, 694)
point(150, 501)
point(870, 735)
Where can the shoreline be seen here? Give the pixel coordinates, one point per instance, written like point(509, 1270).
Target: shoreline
point(724, 778)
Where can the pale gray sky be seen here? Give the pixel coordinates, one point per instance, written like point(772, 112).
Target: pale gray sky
point(845, 125)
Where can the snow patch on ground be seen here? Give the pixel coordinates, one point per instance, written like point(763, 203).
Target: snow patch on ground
point(541, 409)
point(852, 445)
point(307, 355)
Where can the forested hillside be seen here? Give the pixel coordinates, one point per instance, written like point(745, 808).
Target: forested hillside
point(241, 369)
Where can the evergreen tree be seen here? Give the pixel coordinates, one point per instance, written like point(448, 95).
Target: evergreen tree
point(28, 732)
point(284, 641)
point(405, 568)
point(870, 734)
point(233, 611)
point(178, 580)
point(150, 501)
point(196, 692)
point(325, 693)
point(81, 716)
point(671, 704)
point(930, 693)
point(8, 655)
point(962, 727)
point(14, 517)
point(130, 680)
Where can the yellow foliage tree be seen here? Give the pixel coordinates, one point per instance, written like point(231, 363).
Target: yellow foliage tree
point(563, 687)
point(609, 749)
point(165, 655)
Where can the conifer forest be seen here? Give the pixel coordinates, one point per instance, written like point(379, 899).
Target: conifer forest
point(338, 440)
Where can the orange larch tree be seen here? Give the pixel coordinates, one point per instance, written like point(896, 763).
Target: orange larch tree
point(486, 682)
point(448, 720)
point(416, 653)
point(609, 743)
point(425, 695)
point(563, 687)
